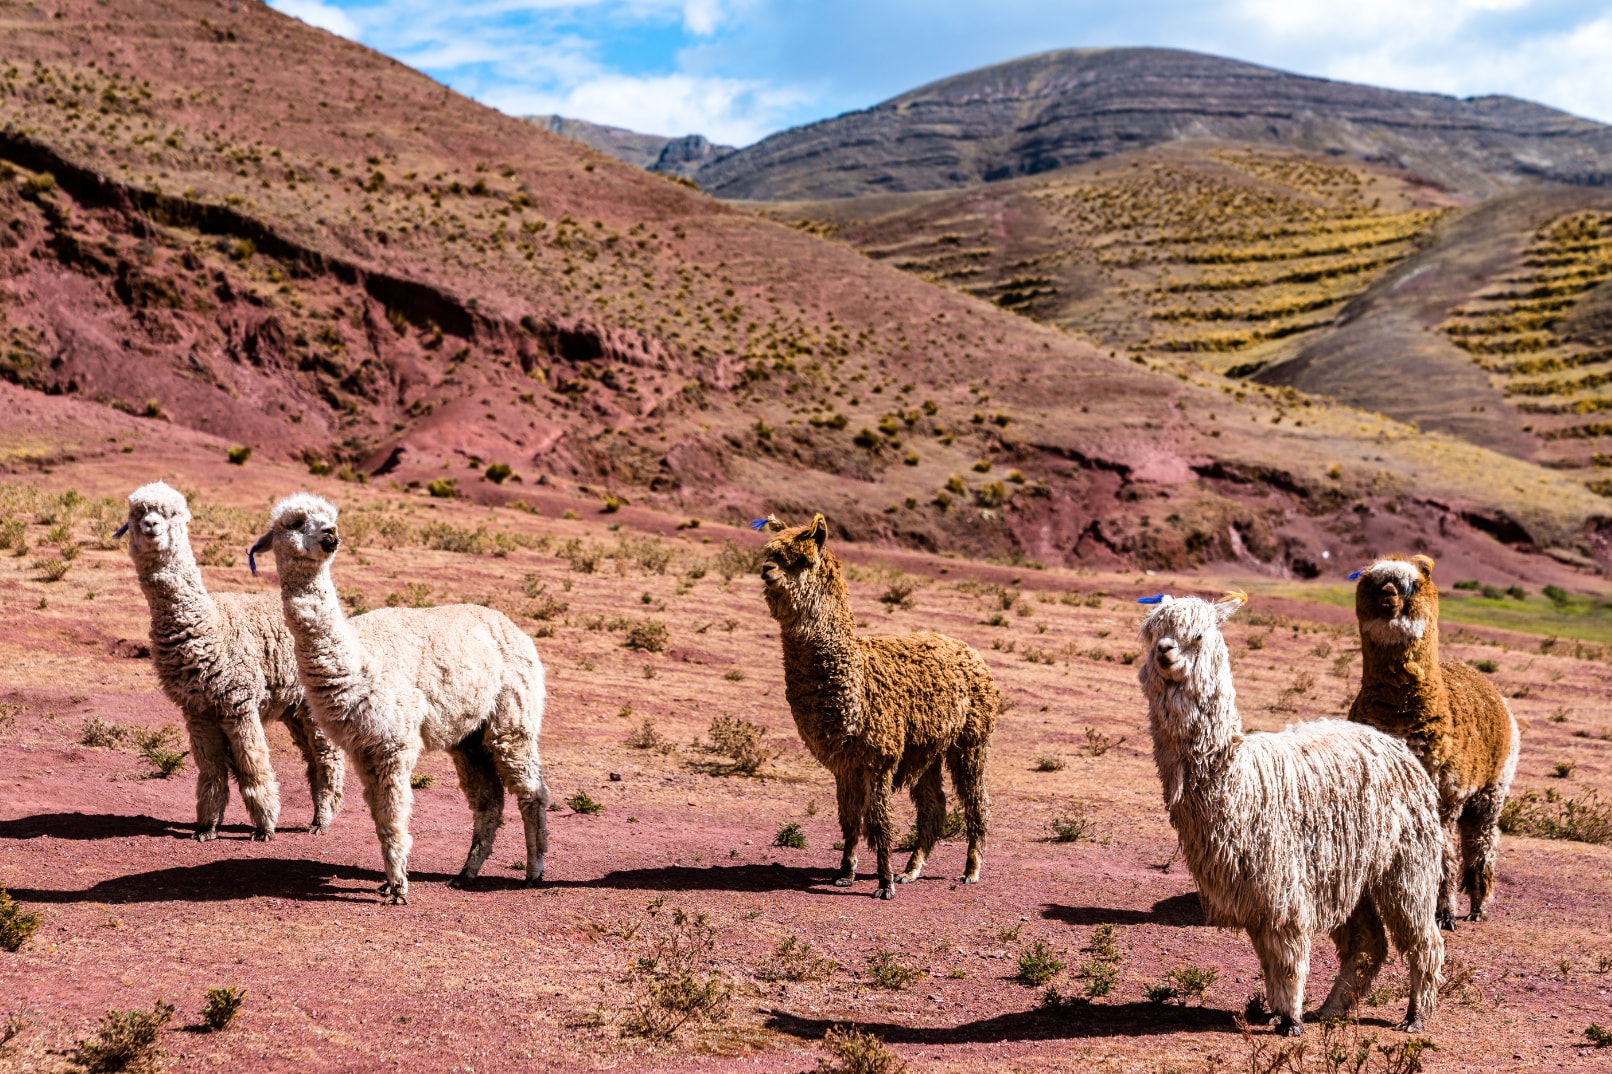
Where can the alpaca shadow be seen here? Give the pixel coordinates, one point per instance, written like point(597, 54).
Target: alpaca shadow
point(99, 826)
point(230, 879)
point(1182, 910)
point(1105, 1020)
point(711, 878)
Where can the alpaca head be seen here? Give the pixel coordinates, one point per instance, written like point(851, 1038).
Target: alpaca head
point(302, 534)
point(157, 525)
point(1184, 643)
point(1396, 600)
point(799, 571)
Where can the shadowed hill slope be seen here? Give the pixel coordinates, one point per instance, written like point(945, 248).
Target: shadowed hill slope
point(653, 152)
point(1059, 109)
point(227, 220)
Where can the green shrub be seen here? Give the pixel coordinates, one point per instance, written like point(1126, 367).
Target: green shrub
point(498, 473)
point(582, 802)
point(1488, 667)
point(673, 983)
point(647, 635)
point(420, 781)
point(157, 747)
point(239, 455)
point(126, 1041)
point(16, 924)
point(888, 973)
point(223, 1004)
point(443, 488)
point(790, 835)
point(1038, 965)
point(741, 740)
point(854, 1051)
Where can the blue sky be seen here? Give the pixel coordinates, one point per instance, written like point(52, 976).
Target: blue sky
point(737, 70)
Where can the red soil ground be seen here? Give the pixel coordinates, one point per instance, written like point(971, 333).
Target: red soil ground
point(501, 977)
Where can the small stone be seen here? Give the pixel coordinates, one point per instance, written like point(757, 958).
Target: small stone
point(615, 777)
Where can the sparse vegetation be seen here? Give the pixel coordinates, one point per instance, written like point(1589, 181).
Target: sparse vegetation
point(646, 737)
point(16, 924)
point(1049, 763)
point(582, 802)
point(157, 747)
point(420, 781)
point(1097, 743)
point(223, 1004)
point(1553, 816)
point(1073, 825)
point(673, 983)
point(795, 960)
point(790, 835)
point(126, 1041)
point(1181, 985)
point(886, 972)
point(647, 635)
point(741, 741)
point(1038, 965)
point(854, 1051)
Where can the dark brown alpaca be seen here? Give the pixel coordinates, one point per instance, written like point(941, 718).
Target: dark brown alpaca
point(880, 713)
point(1451, 716)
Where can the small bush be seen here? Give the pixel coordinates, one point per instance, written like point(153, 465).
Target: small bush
point(741, 740)
point(582, 802)
point(1038, 965)
point(856, 1052)
point(886, 972)
point(673, 984)
point(790, 835)
point(1098, 743)
point(795, 960)
point(1584, 820)
point(1563, 769)
point(611, 504)
point(647, 636)
point(1182, 984)
point(16, 924)
point(239, 455)
point(898, 594)
point(413, 595)
point(646, 737)
point(1101, 973)
point(422, 782)
point(1598, 1036)
point(126, 1041)
point(1073, 826)
point(52, 570)
point(102, 733)
point(498, 473)
point(157, 747)
point(443, 488)
point(1488, 667)
point(223, 1004)
point(1049, 763)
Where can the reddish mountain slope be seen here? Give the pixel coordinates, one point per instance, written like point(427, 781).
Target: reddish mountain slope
point(237, 223)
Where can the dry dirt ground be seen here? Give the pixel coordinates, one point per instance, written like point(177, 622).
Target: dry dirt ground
point(500, 977)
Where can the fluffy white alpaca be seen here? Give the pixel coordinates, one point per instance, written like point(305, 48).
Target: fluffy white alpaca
point(1328, 826)
point(227, 662)
point(397, 681)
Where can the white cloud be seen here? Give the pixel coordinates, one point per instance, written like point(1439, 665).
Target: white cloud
point(727, 111)
point(700, 17)
point(322, 15)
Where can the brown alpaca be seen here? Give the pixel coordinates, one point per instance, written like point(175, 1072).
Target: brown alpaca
point(1452, 718)
point(880, 713)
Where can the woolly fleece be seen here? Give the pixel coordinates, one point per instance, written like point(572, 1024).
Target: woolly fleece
point(227, 662)
point(1326, 826)
point(881, 712)
point(1450, 715)
point(395, 682)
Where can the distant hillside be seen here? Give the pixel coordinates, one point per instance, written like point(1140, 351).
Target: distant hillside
point(653, 152)
point(1065, 108)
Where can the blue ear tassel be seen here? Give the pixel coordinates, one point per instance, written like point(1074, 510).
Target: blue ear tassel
point(251, 560)
point(758, 524)
point(120, 531)
point(1357, 574)
point(1157, 598)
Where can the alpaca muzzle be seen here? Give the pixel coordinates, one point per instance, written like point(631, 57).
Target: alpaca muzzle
point(329, 541)
point(1167, 654)
point(772, 575)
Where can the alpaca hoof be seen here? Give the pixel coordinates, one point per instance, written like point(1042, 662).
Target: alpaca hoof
point(206, 835)
point(461, 882)
point(1410, 1025)
point(844, 881)
point(968, 880)
point(906, 878)
point(396, 898)
point(1476, 915)
point(318, 829)
point(385, 888)
point(1286, 1027)
point(885, 893)
point(535, 881)
point(263, 835)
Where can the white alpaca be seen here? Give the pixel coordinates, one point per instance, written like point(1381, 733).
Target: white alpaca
point(1328, 826)
point(227, 662)
point(397, 681)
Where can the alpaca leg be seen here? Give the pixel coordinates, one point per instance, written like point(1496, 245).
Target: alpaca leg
point(390, 799)
point(1416, 934)
point(968, 778)
point(929, 795)
point(1362, 948)
point(327, 769)
point(1285, 960)
point(1450, 885)
point(478, 778)
point(1480, 843)
point(210, 750)
point(521, 769)
point(254, 772)
point(852, 796)
point(880, 791)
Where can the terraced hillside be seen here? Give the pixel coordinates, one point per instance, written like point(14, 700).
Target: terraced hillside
point(1179, 250)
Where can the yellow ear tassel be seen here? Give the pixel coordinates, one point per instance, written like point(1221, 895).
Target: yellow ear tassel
point(1234, 594)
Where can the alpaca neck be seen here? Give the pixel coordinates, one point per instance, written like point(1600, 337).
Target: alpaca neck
point(1400, 677)
point(1195, 735)
point(823, 663)
point(329, 655)
point(182, 612)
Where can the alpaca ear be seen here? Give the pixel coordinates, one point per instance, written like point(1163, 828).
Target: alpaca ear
point(1425, 564)
point(818, 531)
point(262, 544)
point(1227, 605)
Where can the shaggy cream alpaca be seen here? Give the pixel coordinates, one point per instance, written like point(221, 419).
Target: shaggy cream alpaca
point(227, 662)
point(1328, 826)
point(397, 681)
